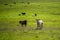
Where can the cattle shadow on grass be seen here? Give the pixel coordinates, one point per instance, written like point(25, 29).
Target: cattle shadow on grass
point(5, 4)
point(27, 29)
point(8, 29)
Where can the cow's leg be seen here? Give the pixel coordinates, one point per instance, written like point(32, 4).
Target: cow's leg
point(25, 25)
point(21, 25)
point(41, 26)
point(38, 27)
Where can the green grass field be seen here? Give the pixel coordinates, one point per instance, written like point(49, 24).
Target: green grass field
point(10, 28)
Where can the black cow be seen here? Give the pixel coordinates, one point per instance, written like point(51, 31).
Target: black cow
point(35, 14)
point(23, 13)
point(5, 4)
point(23, 23)
point(19, 14)
point(14, 2)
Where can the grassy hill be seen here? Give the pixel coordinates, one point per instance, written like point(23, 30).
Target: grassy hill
point(47, 10)
point(20, 1)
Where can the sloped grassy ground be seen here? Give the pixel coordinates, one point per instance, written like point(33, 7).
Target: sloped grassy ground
point(10, 28)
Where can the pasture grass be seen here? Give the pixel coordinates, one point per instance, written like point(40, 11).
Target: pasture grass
point(48, 12)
